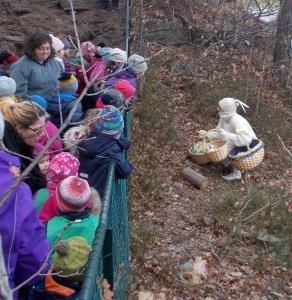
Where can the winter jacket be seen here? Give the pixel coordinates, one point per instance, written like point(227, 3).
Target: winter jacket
point(238, 131)
point(127, 74)
point(14, 143)
point(34, 78)
point(82, 226)
point(95, 70)
point(23, 237)
point(67, 101)
point(50, 130)
point(95, 156)
point(50, 208)
point(68, 66)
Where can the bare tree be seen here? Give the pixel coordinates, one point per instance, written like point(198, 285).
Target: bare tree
point(283, 45)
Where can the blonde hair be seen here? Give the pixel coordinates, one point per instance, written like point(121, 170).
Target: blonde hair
point(90, 118)
point(23, 113)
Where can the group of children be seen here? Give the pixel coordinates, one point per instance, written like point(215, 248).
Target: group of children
point(75, 166)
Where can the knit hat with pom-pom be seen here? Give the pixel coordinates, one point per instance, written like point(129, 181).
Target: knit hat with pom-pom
point(73, 194)
point(71, 256)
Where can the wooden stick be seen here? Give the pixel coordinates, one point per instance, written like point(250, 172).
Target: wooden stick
point(197, 179)
point(5, 292)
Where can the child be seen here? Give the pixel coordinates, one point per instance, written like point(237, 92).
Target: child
point(73, 135)
point(75, 202)
point(58, 46)
point(72, 234)
point(115, 59)
point(7, 58)
point(68, 66)
point(44, 162)
point(125, 87)
point(61, 166)
point(96, 154)
point(233, 128)
point(59, 107)
point(111, 97)
point(7, 88)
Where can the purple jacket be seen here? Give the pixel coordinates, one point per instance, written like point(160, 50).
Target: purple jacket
point(25, 247)
point(127, 75)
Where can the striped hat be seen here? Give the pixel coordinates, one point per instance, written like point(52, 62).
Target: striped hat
point(74, 194)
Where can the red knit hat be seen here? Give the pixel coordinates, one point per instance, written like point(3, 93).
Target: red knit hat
point(73, 194)
point(125, 87)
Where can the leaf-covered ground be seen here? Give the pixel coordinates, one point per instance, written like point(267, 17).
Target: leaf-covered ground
point(173, 224)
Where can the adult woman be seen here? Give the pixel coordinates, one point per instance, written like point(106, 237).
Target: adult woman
point(25, 248)
point(24, 124)
point(233, 128)
point(37, 72)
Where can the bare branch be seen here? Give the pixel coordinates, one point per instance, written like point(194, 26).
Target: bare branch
point(285, 148)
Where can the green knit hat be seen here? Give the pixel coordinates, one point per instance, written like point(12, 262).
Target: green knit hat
point(71, 256)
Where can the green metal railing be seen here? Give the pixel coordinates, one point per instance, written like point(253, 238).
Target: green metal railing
point(110, 256)
point(110, 252)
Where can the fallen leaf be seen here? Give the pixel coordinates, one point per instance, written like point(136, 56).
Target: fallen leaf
point(145, 295)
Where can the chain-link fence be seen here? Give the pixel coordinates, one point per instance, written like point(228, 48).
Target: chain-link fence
point(110, 252)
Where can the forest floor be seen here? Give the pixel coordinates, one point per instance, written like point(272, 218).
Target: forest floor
point(188, 243)
point(231, 240)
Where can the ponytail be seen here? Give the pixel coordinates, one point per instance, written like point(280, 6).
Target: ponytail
point(23, 113)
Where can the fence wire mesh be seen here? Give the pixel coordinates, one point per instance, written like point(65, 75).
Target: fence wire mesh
point(110, 256)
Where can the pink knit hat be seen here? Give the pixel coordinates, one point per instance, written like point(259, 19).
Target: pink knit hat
point(74, 194)
point(125, 87)
point(88, 49)
point(61, 166)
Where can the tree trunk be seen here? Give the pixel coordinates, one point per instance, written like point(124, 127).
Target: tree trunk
point(282, 50)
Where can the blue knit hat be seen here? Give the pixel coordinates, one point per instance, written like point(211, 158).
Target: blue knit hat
point(41, 101)
point(110, 120)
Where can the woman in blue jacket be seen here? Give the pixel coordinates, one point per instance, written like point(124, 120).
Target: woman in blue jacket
point(37, 72)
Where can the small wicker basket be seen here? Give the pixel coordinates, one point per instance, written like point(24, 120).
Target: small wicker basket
point(249, 159)
point(219, 151)
point(200, 158)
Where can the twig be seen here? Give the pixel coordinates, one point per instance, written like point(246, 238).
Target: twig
point(41, 154)
point(256, 212)
point(5, 292)
point(44, 265)
point(285, 148)
point(78, 42)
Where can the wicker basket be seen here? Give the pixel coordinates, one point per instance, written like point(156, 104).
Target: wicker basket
point(249, 159)
point(200, 158)
point(219, 151)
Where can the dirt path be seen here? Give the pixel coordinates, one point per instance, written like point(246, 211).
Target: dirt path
point(94, 24)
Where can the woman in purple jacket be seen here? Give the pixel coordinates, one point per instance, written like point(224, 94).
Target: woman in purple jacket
point(25, 247)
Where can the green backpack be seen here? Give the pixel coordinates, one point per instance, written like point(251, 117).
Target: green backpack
point(60, 228)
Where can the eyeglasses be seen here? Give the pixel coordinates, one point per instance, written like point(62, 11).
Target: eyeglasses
point(37, 131)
